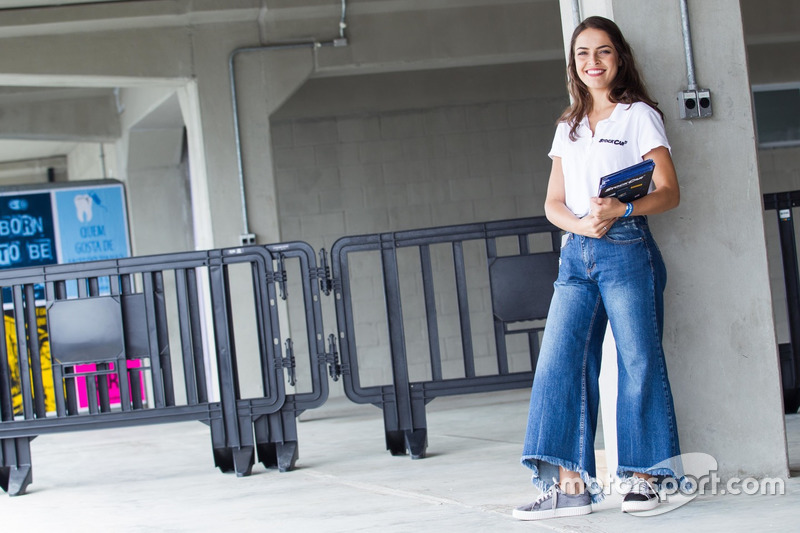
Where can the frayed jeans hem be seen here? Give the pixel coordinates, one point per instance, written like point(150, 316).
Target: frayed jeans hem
point(659, 477)
point(593, 486)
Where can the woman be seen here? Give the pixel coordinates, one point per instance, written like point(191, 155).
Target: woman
point(610, 270)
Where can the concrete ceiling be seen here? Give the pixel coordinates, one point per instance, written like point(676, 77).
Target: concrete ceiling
point(23, 150)
point(26, 149)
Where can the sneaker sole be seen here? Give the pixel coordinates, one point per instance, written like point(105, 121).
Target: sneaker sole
point(634, 507)
point(549, 513)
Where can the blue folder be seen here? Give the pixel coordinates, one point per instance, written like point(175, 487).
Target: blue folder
point(629, 183)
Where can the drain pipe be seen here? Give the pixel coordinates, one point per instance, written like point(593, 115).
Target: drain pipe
point(246, 237)
point(693, 102)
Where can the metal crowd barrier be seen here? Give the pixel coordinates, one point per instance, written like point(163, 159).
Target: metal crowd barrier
point(122, 343)
point(517, 288)
point(159, 339)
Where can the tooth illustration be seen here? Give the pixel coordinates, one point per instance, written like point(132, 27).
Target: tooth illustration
point(83, 207)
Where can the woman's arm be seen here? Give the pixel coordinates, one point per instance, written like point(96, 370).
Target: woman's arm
point(666, 196)
point(557, 212)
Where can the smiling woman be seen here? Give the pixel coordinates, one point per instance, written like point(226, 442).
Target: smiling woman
point(610, 271)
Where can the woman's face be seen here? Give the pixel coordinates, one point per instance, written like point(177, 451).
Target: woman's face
point(596, 60)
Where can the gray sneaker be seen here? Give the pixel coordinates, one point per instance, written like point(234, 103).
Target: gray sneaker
point(554, 503)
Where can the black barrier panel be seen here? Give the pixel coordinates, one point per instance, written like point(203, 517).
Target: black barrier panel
point(159, 339)
point(783, 203)
point(445, 293)
point(86, 330)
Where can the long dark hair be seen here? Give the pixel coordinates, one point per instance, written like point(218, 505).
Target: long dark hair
point(626, 88)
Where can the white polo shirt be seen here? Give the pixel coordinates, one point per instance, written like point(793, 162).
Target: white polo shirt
point(619, 141)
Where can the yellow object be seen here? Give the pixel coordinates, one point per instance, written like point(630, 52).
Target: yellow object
point(44, 358)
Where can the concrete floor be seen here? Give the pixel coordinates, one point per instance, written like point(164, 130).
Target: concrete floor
point(161, 478)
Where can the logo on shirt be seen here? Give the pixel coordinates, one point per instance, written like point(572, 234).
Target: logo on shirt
point(614, 141)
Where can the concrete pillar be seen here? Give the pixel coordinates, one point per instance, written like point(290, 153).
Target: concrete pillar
point(719, 333)
point(201, 210)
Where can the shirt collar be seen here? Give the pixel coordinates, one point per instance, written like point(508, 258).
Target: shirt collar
point(613, 117)
point(618, 110)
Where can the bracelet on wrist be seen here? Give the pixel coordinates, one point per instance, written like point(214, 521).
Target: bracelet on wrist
point(628, 210)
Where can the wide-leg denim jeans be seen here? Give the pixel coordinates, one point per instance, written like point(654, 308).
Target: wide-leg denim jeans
point(620, 278)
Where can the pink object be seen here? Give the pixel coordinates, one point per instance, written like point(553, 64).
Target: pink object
point(113, 383)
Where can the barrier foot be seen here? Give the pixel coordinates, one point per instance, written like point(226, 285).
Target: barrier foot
point(243, 460)
point(276, 439)
point(395, 442)
point(15, 465)
point(278, 454)
point(417, 442)
point(402, 442)
point(239, 460)
point(15, 480)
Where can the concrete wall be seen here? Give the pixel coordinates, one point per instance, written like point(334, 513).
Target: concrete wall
point(412, 162)
point(92, 161)
point(407, 162)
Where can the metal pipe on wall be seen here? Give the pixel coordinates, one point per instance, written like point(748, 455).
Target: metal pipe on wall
point(342, 22)
point(246, 237)
point(687, 45)
point(693, 102)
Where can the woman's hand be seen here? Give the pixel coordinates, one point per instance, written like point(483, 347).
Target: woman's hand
point(606, 208)
point(557, 212)
point(592, 226)
point(604, 212)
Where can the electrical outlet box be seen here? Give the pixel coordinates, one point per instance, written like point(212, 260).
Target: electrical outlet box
point(246, 239)
point(687, 104)
point(704, 103)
